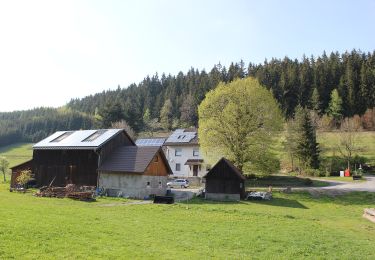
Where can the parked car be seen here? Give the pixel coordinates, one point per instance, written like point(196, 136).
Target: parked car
point(180, 183)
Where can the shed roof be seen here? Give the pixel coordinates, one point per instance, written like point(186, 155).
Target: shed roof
point(81, 139)
point(219, 170)
point(132, 159)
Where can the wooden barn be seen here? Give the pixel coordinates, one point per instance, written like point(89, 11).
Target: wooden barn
point(16, 171)
point(225, 182)
point(135, 172)
point(73, 157)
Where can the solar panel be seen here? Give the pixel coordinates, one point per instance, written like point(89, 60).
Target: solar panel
point(150, 142)
point(179, 136)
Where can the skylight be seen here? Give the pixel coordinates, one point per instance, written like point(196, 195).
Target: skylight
point(94, 136)
point(61, 137)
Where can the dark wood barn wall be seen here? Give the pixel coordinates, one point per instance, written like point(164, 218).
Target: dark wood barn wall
point(65, 166)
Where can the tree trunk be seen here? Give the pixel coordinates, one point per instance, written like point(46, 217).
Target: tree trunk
point(4, 177)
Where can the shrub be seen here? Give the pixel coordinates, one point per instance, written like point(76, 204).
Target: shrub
point(313, 172)
point(24, 177)
point(307, 182)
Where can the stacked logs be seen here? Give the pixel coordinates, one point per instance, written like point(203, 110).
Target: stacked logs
point(70, 191)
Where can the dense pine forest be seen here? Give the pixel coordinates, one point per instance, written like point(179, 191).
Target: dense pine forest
point(169, 101)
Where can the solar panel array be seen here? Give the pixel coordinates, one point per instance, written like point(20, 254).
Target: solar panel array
point(150, 142)
point(180, 136)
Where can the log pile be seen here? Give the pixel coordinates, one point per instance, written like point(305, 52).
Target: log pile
point(69, 191)
point(369, 214)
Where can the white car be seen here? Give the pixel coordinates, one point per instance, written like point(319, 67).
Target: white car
point(180, 183)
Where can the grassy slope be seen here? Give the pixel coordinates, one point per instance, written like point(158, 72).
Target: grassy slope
point(365, 142)
point(16, 153)
point(291, 226)
point(328, 142)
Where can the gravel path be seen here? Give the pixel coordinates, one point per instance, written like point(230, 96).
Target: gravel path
point(339, 188)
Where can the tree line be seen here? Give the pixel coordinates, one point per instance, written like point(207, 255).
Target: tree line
point(343, 81)
point(172, 101)
point(34, 125)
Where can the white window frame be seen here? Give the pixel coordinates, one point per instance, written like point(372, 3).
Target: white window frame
point(196, 152)
point(178, 152)
point(179, 167)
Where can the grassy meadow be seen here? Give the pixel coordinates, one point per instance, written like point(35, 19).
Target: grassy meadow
point(16, 153)
point(291, 226)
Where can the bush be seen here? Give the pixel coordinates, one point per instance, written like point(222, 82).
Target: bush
point(334, 164)
point(313, 172)
point(24, 177)
point(307, 182)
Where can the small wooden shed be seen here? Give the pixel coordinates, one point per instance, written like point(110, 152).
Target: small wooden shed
point(225, 182)
point(16, 171)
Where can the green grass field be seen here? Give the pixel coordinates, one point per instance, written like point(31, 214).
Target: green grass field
point(291, 226)
point(16, 154)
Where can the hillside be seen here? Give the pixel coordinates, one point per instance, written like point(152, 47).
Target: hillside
point(171, 101)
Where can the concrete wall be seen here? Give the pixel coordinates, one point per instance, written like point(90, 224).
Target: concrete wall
point(132, 185)
point(187, 153)
point(222, 197)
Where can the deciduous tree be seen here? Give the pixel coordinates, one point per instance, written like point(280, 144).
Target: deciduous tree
point(239, 121)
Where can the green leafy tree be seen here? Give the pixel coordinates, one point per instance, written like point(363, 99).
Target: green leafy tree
point(4, 164)
point(166, 115)
point(239, 121)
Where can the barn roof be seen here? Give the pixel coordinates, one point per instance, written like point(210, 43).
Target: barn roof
point(132, 159)
point(81, 139)
point(217, 170)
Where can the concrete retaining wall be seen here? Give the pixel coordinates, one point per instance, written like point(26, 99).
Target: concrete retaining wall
point(222, 196)
point(132, 185)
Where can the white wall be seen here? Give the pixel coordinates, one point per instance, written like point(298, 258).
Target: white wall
point(187, 153)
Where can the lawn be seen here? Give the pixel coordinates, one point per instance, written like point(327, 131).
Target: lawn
point(292, 226)
point(284, 181)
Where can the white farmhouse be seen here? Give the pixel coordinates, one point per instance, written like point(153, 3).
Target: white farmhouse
point(182, 152)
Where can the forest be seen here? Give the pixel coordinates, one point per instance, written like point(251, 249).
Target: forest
point(170, 101)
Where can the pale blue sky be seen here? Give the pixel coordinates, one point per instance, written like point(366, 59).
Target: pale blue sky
point(51, 51)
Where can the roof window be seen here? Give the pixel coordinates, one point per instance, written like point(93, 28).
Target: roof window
point(94, 136)
point(61, 137)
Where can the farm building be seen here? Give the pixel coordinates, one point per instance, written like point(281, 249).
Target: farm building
point(135, 171)
point(74, 156)
point(225, 182)
point(16, 171)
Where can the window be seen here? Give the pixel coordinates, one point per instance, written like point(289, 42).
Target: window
point(61, 137)
point(178, 152)
point(148, 184)
point(160, 186)
point(94, 136)
point(156, 159)
point(196, 152)
point(178, 167)
point(241, 185)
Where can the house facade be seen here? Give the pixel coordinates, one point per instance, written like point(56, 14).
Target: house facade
point(182, 152)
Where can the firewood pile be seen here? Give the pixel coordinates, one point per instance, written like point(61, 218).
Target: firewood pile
point(369, 214)
point(69, 191)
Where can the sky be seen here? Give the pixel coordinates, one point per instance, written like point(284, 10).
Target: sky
point(52, 51)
